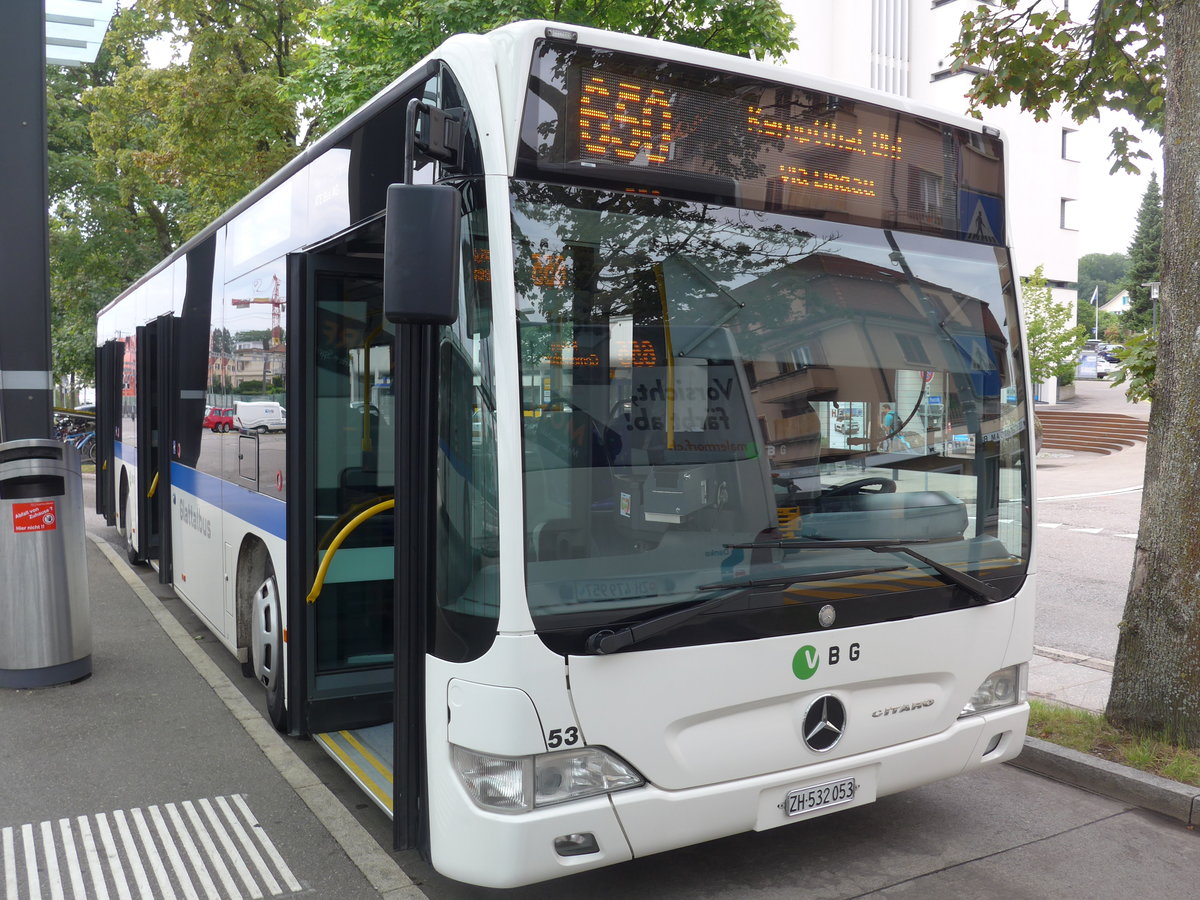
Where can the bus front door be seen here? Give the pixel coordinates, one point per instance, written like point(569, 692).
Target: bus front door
point(340, 524)
point(156, 380)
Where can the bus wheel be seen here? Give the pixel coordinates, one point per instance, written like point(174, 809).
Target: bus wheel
point(266, 647)
point(131, 553)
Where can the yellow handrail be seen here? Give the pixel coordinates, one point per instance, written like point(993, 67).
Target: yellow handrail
point(319, 581)
point(153, 487)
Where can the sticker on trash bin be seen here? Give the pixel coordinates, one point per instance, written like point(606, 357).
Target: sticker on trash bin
point(40, 516)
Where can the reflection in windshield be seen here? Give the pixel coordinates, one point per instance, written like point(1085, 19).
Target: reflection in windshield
point(695, 377)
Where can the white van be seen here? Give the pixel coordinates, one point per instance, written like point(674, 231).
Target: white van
point(260, 416)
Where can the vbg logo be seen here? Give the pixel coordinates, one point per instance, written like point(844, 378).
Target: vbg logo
point(808, 659)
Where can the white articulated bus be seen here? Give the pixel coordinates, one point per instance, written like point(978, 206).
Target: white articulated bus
point(657, 463)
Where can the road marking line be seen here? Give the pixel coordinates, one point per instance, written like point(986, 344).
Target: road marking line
point(53, 875)
point(1132, 536)
point(1088, 530)
point(93, 858)
point(32, 878)
point(31, 875)
point(239, 864)
point(10, 865)
point(72, 855)
point(39, 859)
point(1050, 524)
point(116, 869)
point(189, 847)
point(1128, 490)
point(267, 844)
point(131, 853)
point(376, 865)
point(169, 844)
point(251, 850)
point(211, 849)
point(152, 854)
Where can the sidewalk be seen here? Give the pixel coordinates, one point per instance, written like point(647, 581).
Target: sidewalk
point(156, 777)
point(1070, 679)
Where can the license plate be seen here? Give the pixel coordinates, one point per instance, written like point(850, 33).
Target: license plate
point(819, 796)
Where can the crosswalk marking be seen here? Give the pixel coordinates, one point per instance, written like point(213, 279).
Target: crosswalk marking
point(152, 853)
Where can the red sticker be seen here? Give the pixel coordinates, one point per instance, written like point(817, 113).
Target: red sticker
point(39, 516)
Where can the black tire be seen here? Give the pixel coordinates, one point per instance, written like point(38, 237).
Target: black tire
point(131, 553)
point(267, 648)
point(261, 429)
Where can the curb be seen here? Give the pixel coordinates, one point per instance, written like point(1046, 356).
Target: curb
point(1082, 770)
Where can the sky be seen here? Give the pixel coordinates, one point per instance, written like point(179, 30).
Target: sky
point(1108, 204)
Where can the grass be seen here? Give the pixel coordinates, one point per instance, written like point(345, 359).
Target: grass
point(1088, 733)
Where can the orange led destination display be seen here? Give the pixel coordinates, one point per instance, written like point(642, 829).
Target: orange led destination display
point(629, 121)
point(655, 128)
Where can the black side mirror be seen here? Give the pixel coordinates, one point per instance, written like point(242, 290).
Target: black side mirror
point(420, 254)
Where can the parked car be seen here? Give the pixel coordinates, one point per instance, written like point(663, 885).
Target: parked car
point(218, 418)
point(1109, 352)
point(259, 416)
point(1106, 365)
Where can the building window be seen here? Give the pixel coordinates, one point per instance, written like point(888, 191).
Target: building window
point(912, 348)
point(1066, 214)
point(1068, 144)
point(943, 74)
point(801, 356)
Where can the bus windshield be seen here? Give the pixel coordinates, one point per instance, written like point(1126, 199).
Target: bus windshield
point(708, 390)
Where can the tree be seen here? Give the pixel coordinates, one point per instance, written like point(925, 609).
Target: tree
point(1101, 273)
point(97, 238)
point(1050, 339)
point(1145, 257)
point(202, 133)
point(364, 44)
point(1145, 58)
point(140, 158)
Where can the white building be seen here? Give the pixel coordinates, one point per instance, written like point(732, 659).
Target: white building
point(75, 28)
point(1118, 303)
point(902, 47)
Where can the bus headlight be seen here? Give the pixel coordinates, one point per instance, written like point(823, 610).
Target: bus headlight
point(1005, 687)
point(509, 784)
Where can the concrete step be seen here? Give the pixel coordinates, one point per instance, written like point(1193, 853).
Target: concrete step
point(1090, 432)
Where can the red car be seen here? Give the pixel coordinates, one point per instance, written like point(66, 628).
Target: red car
point(218, 418)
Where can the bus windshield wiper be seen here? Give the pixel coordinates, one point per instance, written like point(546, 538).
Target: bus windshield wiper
point(981, 590)
point(609, 640)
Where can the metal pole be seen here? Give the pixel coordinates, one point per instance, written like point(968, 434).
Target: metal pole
point(25, 384)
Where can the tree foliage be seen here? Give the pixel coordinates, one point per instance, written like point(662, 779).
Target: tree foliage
point(1143, 58)
point(141, 157)
point(1145, 257)
point(1031, 51)
point(364, 44)
point(1102, 272)
point(1051, 339)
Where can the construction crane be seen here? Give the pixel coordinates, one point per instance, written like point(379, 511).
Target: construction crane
point(278, 304)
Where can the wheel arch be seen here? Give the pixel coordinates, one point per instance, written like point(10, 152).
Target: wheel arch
point(253, 561)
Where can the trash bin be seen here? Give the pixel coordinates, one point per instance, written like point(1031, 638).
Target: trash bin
point(45, 612)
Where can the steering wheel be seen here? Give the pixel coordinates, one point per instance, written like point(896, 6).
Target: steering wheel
point(886, 486)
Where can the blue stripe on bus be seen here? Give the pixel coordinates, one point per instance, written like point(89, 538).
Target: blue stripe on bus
point(254, 508)
point(125, 452)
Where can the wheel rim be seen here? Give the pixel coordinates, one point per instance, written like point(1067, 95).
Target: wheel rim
point(267, 637)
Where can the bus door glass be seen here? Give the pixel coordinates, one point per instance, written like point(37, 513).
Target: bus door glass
point(348, 411)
